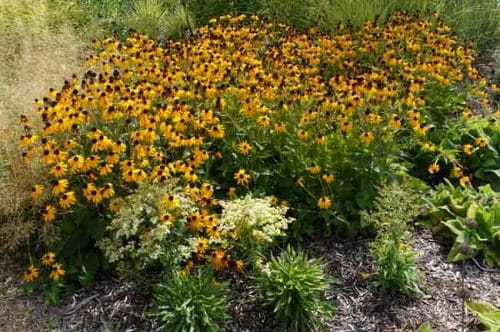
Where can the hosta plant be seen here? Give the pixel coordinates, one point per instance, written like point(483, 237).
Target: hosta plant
point(471, 217)
point(294, 287)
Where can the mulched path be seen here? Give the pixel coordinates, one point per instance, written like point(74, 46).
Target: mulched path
point(117, 306)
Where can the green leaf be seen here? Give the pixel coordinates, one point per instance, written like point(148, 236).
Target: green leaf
point(488, 314)
point(424, 327)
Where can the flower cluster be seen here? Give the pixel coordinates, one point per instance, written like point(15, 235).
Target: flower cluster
point(247, 105)
point(254, 218)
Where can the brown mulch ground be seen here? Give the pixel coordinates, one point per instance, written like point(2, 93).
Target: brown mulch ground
point(116, 306)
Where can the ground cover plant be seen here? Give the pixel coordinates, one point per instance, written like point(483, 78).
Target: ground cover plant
point(174, 157)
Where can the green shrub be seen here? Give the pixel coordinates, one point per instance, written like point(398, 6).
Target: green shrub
point(191, 302)
point(395, 207)
point(293, 286)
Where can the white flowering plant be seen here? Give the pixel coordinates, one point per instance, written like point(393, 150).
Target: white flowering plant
point(148, 229)
point(251, 224)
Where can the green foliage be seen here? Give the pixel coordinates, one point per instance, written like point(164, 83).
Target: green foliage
point(395, 207)
point(472, 218)
point(157, 18)
point(474, 20)
point(488, 314)
point(424, 327)
point(293, 286)
point(191, 302)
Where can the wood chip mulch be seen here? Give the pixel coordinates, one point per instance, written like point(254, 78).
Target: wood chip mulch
point(117, 306)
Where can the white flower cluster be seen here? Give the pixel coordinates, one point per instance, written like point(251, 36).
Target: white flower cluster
point(138, 235)
point(253, 217)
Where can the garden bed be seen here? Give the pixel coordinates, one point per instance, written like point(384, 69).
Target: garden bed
point(359, 307)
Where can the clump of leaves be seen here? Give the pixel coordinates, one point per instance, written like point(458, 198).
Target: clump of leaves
point(395, 207)
point(471, 217)
point(191, 302)
point(293, 286)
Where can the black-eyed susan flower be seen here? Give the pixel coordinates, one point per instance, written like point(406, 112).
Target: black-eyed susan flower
point(433, 168)
point(219, 260)
point(456, 171)
point(107, 191)
point(320, 139)
point(115, 204)
point(59, 170)
point(48, 258)
point(67, 199)
point(244, 148)
point(481, 142)
point(280, 127)
point(314, 169)
point(328, 178)
point(166, 218)
point(464, 181)
point(468, 149)
point(195, 221)
point(31, 274)
point(201, 245)
point(302, 134)
point(57, 272)
point(242, 177)
point(240, 265)
point(59, 186)
point(37, 191)
point(170, 201)
point(324, 203)
point(49, 213)
point(366, 138)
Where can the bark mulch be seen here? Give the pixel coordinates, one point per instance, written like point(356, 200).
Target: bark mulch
point(117, 306)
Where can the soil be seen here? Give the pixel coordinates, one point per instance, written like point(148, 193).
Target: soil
point(117, 306)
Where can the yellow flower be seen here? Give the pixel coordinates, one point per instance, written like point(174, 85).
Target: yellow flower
point(395, 121)
point(59, 170)
point(242, 177)
point(170, 201)
point(324, 203)
point(302, 134)
point(468, 149)
point(67, 199)
point(49, 213)
point(456, 171)
point(244, 148)
point(115, 204)
point(328, 178)
point(30, 274)
point(280, 127)
point(166, 218)
point(107, 191)
point(433, 168)
point(201, 245)
point(48, 258)
point(481, 142)
point(60, 186)
point(314, 169)
point(76, 162)
point(240, 265)
point(36, 191)
point(219, 259)
point(464, 181)
point(320, 139)
point(57, 272)
point(366, 138)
